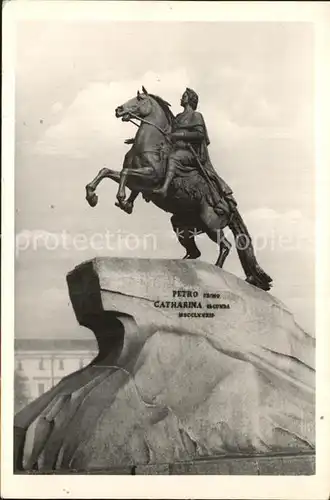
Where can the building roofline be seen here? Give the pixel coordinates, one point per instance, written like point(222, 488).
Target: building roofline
point(33, 344)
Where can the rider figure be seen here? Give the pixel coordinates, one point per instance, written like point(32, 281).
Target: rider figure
point(190, 141)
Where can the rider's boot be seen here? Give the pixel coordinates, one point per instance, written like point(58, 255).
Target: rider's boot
point(162, 191)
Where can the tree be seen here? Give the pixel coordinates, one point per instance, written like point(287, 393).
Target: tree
point(20, 396)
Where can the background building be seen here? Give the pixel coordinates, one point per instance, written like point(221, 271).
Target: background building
point(42, 363)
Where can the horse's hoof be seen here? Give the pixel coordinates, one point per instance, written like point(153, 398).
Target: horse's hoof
point(91, 196)
point(92, 199)
point(251, 280)
point(191, 256)
point(127, 207)
point(160, 192)
point(121, 198)
point(259, 284)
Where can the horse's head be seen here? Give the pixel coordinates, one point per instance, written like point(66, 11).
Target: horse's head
point(140, 106)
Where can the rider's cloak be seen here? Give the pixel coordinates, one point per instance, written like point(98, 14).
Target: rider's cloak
point(196, 123)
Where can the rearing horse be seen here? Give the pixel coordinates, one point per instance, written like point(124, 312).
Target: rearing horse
point(187, 199)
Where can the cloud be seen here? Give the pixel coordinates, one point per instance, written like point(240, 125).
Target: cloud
point(286, 222)
point(89, 124)
point(56, 107)
point(289, 231)
point(242, 93)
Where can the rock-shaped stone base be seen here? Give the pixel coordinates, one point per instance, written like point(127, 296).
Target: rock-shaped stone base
point(193, 362)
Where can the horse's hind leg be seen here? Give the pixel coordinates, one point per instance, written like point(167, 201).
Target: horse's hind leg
point(213, 226)
point(186, 238)
point(225, 247)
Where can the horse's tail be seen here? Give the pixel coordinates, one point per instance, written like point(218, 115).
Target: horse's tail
point(244, 247)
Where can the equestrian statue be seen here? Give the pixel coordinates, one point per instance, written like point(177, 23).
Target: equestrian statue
point(168, 163)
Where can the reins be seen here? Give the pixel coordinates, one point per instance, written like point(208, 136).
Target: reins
point(143, 120)
point(201, 168)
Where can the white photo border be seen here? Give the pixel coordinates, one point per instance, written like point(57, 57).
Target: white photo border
point(170, 487)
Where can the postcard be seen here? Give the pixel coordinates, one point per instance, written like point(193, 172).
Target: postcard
point(165, 274)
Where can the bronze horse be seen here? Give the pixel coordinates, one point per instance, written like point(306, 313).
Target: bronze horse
point(187, 199)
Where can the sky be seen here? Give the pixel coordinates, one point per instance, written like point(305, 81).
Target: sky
point(255, 84)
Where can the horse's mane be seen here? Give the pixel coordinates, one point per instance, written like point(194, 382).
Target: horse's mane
point(165, 107)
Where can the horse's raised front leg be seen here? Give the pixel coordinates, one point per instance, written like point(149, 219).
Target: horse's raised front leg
point(91, 196)
point(121, 193)
point(137, 178)
point(127, 205)
point(129, 160)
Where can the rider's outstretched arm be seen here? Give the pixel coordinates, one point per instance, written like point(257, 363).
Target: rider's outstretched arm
point(188, 135)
